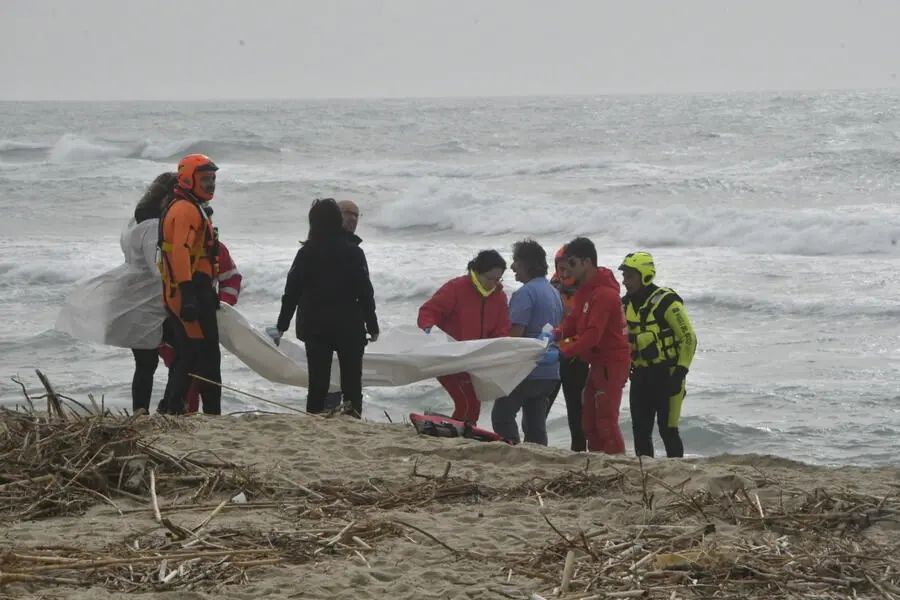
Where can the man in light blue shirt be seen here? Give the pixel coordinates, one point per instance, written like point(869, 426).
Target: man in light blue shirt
point(531, 307)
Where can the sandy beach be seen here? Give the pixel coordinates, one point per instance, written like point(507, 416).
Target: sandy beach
point(340, 508)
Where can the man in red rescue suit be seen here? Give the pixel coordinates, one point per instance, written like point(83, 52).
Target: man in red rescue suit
point(188, 263)
point(595, 331)
point(229, 283)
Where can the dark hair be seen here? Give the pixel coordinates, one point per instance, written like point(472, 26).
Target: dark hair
point(582, 247)
point(485, 261)
point(157, 197)
point(325, 219)
point(532, 256)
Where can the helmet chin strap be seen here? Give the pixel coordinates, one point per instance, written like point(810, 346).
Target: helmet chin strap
point(199, 194)
point(191, 195)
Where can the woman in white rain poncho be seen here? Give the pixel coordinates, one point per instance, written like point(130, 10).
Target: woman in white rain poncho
point(123, 307)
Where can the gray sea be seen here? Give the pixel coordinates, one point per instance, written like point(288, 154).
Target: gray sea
point(774, 215)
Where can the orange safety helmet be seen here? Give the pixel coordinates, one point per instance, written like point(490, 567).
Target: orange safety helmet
point(188, 168)
point(561, 257)
point(568, 282)
point(561, 253)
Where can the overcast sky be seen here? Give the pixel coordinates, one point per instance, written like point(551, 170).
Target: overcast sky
point(201, 49)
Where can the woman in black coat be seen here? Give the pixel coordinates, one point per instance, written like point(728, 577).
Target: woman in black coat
point(329, 289)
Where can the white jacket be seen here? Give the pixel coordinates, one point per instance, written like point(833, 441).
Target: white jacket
point(123, 306)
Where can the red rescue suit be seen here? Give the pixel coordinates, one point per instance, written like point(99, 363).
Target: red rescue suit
point(595, 331)
point(464, 311)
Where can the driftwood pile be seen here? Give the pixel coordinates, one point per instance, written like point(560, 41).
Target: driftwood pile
point(815, 549)
point(194, 560)
point(722, 543)
point(64, 460)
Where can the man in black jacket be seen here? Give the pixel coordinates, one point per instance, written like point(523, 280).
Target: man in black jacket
point(329, 288)
point(350, 214)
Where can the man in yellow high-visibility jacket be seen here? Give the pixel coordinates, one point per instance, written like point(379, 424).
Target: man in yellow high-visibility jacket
point(663, 344)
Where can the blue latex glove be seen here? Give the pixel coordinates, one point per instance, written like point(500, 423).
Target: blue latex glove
point(545, 336)
point(427, 329)
point(549, 357)
point(274, 334)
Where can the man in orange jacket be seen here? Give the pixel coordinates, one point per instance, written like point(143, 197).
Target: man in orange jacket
point(188, 246)
point(229, 283)
point(595, 331)
point(573, 372)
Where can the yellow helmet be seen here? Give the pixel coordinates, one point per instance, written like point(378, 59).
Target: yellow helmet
point(642, 262)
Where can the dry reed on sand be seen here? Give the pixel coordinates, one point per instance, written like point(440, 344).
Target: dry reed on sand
point(717, 542)
point(65, 460)
point(177, 557)
point(725, 544)
point(422, 490)
point(197, 560)
point(666, 543)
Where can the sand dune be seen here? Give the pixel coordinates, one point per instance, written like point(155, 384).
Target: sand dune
point(490, 527)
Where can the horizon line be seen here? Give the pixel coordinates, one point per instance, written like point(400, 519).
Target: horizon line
point(339, 98)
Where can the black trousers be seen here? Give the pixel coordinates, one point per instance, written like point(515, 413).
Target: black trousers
point(200, 356)
point(146, 360)
point(320, 351)
point(650, 401)
point(573, 376)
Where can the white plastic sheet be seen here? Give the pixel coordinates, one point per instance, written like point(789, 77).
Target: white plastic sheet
point(400, 356)
point(124, 306)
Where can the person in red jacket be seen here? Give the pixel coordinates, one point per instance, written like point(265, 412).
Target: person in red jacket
point(229, 283)
point(470, 307)
point(595, 331)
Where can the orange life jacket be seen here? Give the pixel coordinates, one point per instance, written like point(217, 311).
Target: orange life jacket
point(187, 244)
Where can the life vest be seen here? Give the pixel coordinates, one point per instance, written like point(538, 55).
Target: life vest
point(208, 248)
point(651, 339)
point(566, 289)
